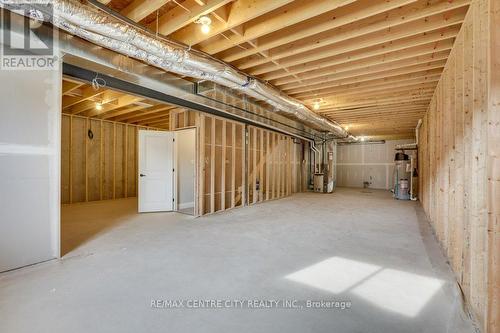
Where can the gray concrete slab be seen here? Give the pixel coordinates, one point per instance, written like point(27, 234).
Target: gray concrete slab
point(375, 254)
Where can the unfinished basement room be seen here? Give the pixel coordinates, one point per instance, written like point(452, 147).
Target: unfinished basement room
point(250, 166)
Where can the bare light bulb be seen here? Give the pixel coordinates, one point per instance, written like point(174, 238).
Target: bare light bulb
point(98, 106)
point(316, 106)
point(205, 28)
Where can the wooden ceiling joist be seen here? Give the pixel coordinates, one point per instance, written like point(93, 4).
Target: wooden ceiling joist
point(150, 117)
point(116, 106)
point(380, 117)
point(400, 90)
point(426, 81)
point(136, 116)
point(121, 101)
point(421, 41)
point(371, 64)
point(119, 112)
point(87, 93)
point(139, 9)
point(68, 86)
point(371, 85)
point(345, 79)
point(241, 11)
point(286, 16)
point(179, 17)
point(379, 102)
point(375, 30)
point(392, 60)
point(325, 22)
point(154, 121)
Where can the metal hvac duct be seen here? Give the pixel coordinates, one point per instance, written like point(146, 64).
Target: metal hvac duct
point(107, 31)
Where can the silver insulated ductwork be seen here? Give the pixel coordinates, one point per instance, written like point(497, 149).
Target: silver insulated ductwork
point(103, 29)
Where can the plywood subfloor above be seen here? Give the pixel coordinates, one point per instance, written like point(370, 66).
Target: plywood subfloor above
point(371, 65)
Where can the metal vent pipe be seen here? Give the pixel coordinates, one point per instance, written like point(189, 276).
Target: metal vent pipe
point(106, 30)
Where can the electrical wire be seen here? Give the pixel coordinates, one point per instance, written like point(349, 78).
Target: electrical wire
point(98, 82)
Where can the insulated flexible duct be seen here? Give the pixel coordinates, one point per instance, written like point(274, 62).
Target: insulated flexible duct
point(107, 31)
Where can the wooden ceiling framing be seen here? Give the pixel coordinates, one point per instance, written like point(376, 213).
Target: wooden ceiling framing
point(103, 103)
point(372, 65)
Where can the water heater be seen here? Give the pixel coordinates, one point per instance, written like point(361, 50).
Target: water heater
point(402, 176)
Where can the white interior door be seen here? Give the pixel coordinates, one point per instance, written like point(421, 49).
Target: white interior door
point(156, 175)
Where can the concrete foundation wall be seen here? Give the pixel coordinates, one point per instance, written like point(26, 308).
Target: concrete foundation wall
point(374, 163)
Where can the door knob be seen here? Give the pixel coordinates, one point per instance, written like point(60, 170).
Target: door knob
point(142, 175)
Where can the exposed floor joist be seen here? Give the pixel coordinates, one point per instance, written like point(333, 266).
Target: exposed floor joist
point(83, 99)
point(341, 54)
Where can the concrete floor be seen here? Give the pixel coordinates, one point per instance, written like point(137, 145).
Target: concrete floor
point(351, 246)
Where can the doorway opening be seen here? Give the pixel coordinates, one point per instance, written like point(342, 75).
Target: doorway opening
point(185, 158)
point(100, 160)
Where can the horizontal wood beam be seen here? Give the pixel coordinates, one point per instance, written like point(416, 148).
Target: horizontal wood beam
point(395, 107)
point(377, 84)
point(241, 11)
point(357, 96)
point(121, 101)
point(388, 61)
point(139, 9)
point(151, 117)
point(380, 102)
point(87, 93)
point(376, 116)
point(367, 77)
point(69, 86)
point(421, 40)
point(362, 34)
point(286, 16)
point(178, 18)
point(145, 113)
point(342, 16)
point(402, 95)
point(151, 122)
point(355, 112)
point(125, 110)
point(374, 71)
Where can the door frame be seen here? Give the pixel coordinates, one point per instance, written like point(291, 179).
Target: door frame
point(196, 170)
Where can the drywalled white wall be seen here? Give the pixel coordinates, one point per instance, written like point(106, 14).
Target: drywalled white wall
point(186, 166)
point(30, 138)
point(374, 163)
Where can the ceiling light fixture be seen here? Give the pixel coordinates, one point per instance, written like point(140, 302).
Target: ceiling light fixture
point(316, 106)
point(98, 106)
point(205, 29)
point(205, 22)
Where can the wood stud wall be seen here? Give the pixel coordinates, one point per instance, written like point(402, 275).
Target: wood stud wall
point(101, 168)
point(222, 156)
point(460, 161)
point(273, 162)
point(106, 166)
point(232, 173)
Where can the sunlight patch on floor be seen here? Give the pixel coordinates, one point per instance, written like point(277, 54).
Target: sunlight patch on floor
point(390, 289)
point(335, 274)
point(398, 291)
